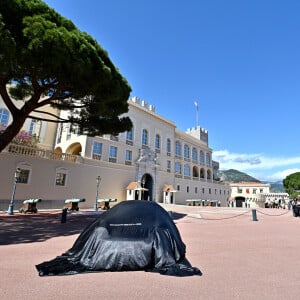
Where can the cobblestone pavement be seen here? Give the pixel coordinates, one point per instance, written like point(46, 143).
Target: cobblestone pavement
point(240, 258)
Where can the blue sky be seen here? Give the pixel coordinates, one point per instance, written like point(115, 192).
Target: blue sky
point(240, 60)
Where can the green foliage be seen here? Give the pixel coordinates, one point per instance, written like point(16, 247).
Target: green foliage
point(292, 184)
point(45, 59)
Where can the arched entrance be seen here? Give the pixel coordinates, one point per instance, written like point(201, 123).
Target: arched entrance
point(239, 201)
point(147, 185)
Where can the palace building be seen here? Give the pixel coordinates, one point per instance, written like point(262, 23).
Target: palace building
point(153, 161)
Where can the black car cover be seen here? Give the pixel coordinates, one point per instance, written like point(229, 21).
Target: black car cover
point(131, 236)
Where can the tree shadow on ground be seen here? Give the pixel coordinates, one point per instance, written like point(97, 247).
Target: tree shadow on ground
point(29, 228)
point(39, 227)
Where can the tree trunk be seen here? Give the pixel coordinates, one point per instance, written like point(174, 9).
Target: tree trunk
point(10, 132)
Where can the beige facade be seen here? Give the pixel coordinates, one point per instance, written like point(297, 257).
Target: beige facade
point(44, 131)
point(154, 153)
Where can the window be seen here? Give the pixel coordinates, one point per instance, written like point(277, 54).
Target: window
point(186, 151)
point(97, 150)
point(187, 189)
point(60, 179)
point(196, 190)
point(128, 157)
point(24, 176)
point(178, 187)
point(178, 167)
point(69, 131)
point(145, 137)
point(208, 161)
point(129, 137)
point(157, 141)
point(168, 147)
point(194, 154)
point(168, 166)
point(4, 116)
point(35, 128)
point(113, 153)
point(59, 133)
point(187, 170)
point(201, 157)
point(177, 148)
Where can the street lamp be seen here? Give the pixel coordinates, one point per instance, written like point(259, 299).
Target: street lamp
point(10, 210)
point(143, 187)
point(98, 179)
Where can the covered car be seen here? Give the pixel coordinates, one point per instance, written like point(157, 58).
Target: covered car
point(131, 236)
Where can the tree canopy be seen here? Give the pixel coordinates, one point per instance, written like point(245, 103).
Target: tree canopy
point(292, 184)
point(46, 60)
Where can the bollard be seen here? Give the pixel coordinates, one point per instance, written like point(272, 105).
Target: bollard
point(64, 215)
point(254, 218)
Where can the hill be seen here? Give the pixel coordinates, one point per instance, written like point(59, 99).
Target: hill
point(237, 176)
point(232, 175)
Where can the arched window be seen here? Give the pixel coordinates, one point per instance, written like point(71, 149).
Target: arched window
point(4, 116)
point(145, 137)
point(129, 135)
point(177, 148)
point(186, 151)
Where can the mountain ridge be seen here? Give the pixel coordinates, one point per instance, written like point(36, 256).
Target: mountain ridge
point(233, 175)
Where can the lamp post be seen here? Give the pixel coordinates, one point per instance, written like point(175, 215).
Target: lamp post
point(98, 179)
point(10, 210)
point(143, 187)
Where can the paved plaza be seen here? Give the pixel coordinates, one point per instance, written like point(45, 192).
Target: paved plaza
point(240, 258)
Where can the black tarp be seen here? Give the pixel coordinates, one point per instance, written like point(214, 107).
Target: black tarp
point(131, 236)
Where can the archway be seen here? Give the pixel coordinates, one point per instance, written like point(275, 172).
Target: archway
point(239, 201)
point(58, 150)
point(195, 172)
point(147, 185)
point(74, 149)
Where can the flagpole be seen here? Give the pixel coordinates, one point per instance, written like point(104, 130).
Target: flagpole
point(197, 114)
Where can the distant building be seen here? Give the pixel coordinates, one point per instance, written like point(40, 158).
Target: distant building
point(248, 194)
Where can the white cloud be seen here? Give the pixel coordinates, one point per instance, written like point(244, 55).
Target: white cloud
point(258, 165)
